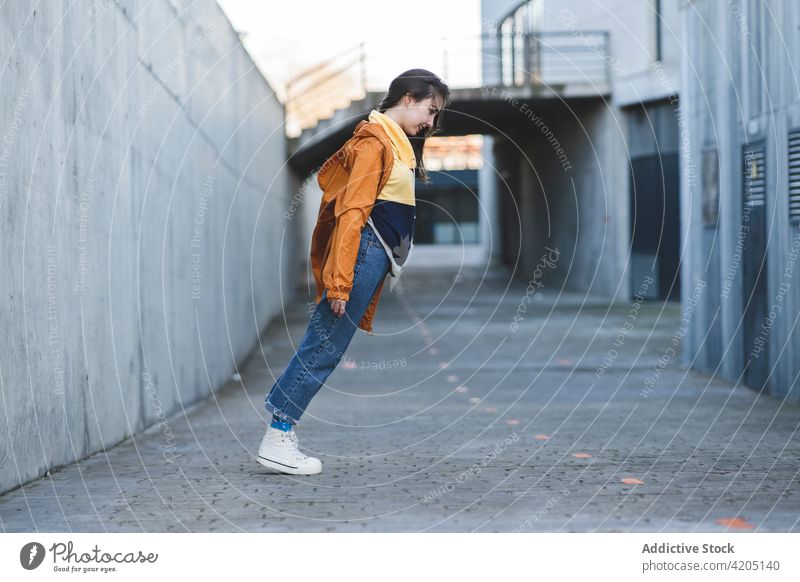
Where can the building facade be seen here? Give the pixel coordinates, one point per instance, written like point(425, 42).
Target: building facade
point(596, 177)
point(741, 204)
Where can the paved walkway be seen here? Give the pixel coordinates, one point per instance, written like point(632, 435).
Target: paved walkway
point(449, 419)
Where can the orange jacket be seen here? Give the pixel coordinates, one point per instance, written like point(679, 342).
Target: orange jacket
point(351, 180)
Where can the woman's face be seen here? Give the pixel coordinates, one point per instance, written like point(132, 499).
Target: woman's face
point(418, 115)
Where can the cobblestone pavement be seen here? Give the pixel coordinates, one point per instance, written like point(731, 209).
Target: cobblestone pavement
point(449, 419)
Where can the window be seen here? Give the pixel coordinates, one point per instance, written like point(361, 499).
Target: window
point(514, 31)
point(448, 209)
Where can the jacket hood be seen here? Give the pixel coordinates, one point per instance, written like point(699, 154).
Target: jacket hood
point(363, 129)
point(366, 127)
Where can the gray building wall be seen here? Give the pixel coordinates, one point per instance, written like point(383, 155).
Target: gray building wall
point(740, 75)
point(142, 195)
point(489, 206)
point(569, 205)
point(585, 210)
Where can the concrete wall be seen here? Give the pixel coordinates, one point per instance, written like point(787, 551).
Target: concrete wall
point(490, 207)
point(570, 204)
point(142, 194)
point(310, 197)
point(585, 211)
point(632, 28)
point(740, 88)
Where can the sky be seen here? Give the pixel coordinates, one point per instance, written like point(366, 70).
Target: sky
point(285, 38)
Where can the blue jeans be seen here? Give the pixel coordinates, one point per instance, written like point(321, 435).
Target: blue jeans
point(328, 335)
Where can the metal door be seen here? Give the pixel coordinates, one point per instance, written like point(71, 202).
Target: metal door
point(754, 267)
point(655, 224)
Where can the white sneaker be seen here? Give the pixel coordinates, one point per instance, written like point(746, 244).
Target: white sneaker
point(279, 452)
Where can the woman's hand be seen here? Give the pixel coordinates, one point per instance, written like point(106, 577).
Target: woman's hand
point(337, 306)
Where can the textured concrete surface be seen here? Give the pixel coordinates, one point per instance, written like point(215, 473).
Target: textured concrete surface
point(142, 194)
point(451, 438)
point(719, 52)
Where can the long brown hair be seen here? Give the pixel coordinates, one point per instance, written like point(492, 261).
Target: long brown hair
point(420, 84)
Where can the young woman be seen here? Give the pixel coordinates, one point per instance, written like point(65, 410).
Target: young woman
point(364, 230)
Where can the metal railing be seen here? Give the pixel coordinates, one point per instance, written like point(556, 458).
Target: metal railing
point(547, 59)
